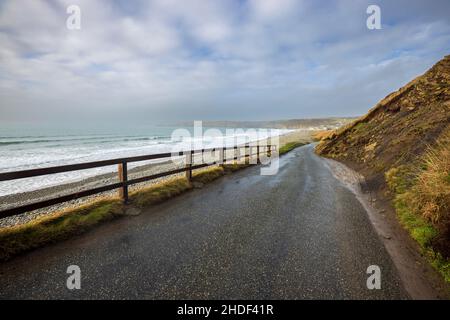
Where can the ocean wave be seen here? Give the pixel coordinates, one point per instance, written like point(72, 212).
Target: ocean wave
point(91, 140)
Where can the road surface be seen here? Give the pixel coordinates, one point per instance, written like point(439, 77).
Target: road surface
point(299, 234)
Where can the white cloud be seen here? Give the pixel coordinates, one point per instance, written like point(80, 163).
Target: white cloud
point(210, 58)
point(273, 9)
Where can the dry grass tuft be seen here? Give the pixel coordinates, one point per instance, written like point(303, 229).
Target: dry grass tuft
point(159, 192)
point(208, 175)
point(322, 135)
point(422, 201)
point(432, 189)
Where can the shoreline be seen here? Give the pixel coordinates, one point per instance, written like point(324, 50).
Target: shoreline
point(17, 199)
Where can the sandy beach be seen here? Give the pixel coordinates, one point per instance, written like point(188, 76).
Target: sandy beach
point(18, 199)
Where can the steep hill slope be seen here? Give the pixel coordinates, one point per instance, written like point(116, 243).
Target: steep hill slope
point(402, 147)
point(398, 129)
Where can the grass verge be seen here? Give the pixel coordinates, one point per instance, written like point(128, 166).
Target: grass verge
point(422, 202)
point(423, 232)
point(290, 146)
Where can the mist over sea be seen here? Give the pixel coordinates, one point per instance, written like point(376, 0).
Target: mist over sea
point(25, 147)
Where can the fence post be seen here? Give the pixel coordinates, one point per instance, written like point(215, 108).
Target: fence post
point(269, 153)
point(189, 165)
point(246, 154)
point(257, 155)
point(236, 155)
point(222, 156)
point(123, 177)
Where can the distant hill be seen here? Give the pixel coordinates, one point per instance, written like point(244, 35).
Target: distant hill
point(402, 146)
point(317, 124)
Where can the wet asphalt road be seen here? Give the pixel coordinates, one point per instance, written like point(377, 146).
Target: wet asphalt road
point(299, 234)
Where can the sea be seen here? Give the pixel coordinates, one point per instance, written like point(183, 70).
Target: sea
point(28, 146)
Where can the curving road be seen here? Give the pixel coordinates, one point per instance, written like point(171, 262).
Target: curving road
point(297, 235)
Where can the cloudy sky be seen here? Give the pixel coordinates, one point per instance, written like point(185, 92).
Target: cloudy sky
point(211, 59)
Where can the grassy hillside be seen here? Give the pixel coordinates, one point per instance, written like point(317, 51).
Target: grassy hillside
point(399, 128)
point(402, 147)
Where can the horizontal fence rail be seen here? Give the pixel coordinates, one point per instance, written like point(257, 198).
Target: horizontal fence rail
point(124, 182)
